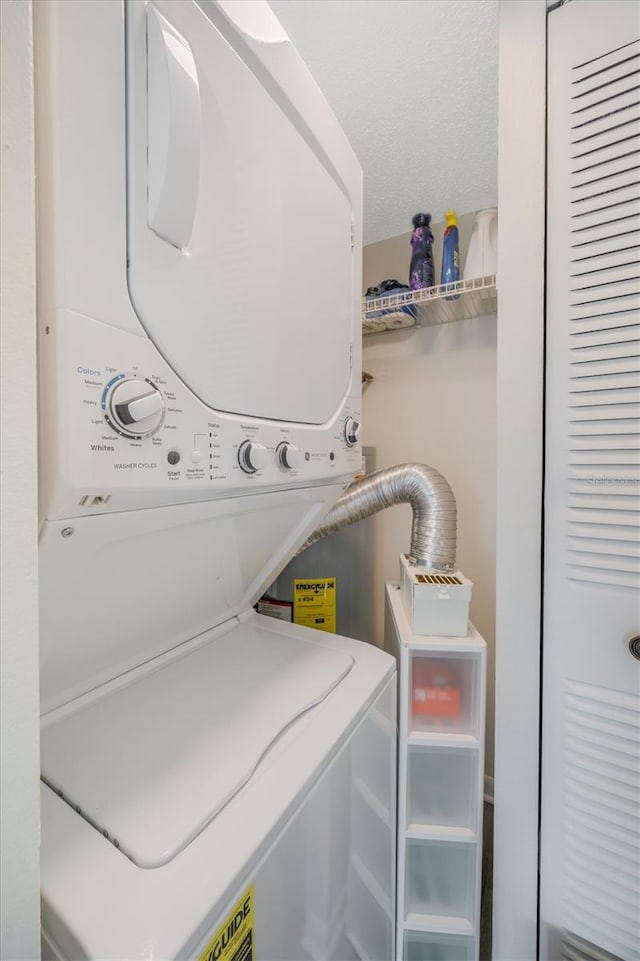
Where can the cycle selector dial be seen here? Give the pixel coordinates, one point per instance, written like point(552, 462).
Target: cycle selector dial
point(351, 431)
point(252, 456)
point(289, 457)
point(135, 408)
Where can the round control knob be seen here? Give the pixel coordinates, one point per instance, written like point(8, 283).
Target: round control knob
point(351, 431)
point(289, 457)
point(252, 456)
point(135, 408)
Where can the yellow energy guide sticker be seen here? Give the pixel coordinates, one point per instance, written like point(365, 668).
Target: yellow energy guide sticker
point(314, 603)
point(234, 939)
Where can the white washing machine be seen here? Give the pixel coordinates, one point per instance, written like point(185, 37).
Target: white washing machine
point(216, 785)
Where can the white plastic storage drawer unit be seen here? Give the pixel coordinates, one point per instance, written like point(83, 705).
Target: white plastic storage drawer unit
point(441, 683)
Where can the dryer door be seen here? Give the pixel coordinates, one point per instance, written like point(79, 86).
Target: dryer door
point(239, 225)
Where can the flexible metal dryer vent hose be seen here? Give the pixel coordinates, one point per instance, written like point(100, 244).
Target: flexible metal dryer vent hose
point(434, 526)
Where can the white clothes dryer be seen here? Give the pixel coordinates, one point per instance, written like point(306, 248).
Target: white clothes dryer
point(216, 785)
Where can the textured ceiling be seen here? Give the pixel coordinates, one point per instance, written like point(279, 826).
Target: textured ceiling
point(414, 85)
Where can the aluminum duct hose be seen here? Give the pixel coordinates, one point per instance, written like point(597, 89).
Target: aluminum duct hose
point(434, 526)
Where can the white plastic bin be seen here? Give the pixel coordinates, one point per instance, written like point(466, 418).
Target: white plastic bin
point(440, 879)
point(444, 693)
point(438, 947)
point(442, 788)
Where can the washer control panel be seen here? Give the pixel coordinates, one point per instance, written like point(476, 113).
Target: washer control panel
point(351, 431)
point(289, 457)
point(252, 456)
point(134, 436)
point(133, 406)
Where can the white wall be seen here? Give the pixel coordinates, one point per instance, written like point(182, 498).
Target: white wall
point(19, 761)
point(433, 400)
point(521, 197)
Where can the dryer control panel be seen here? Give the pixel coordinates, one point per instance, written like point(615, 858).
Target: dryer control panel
point(124, 432)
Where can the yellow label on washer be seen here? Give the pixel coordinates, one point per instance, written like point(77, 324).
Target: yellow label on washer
point(314, 603)
point(234, 940)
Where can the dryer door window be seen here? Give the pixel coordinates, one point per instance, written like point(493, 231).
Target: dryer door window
point(239, 227)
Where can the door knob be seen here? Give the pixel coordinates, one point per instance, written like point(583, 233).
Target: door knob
point(634, 646)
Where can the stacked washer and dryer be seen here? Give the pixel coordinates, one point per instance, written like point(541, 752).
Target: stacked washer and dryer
point(216, 784)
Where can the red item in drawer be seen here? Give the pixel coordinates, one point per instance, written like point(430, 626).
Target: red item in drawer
point(435, 691)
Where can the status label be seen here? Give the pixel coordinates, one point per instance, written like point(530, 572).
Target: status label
point(314, 603)
point(234, 940)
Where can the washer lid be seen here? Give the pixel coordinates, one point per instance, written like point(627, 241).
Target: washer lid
point(151, 764)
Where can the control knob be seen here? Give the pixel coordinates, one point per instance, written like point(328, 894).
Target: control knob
point(135, 408)
point(351, 431)
point(289, 457)
point(252, 456)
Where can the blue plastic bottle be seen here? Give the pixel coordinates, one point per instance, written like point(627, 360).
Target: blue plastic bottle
point(450, 253)
point(421, 272)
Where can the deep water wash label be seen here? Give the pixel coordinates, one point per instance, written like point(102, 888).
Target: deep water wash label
point(235, 938)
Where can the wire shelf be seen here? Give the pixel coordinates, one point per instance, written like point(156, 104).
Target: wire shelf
point(430, 306)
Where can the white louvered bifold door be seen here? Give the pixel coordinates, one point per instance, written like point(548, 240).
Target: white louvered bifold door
point(590, 831)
